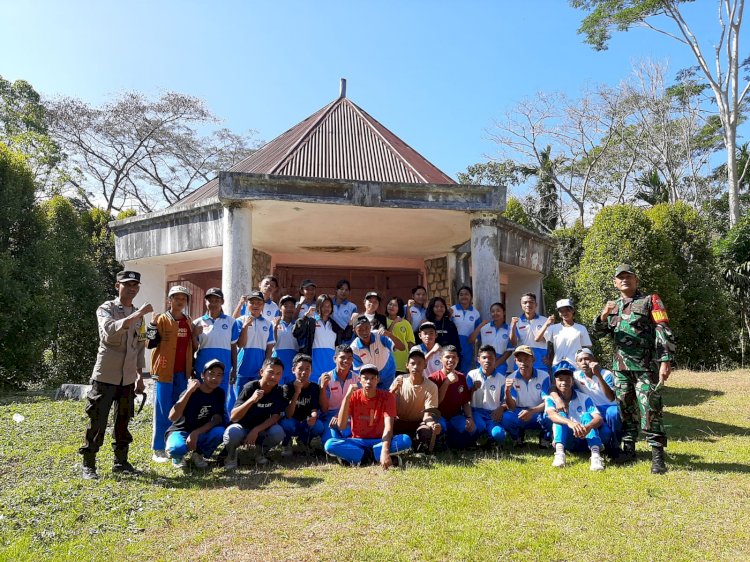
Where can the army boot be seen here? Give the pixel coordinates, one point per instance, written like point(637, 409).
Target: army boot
point(88, 468)
point(658, 466)
point(122, 465)
point(624, 455)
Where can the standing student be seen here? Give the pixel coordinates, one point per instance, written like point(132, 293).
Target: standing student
point(415, 310)
point(497, 334)
point(375, 349)
point(467, 319)
point(286, 345)
point(308, 294)
point(172, 338)
point(344, 309)
point(566, 338)
point(372, 304)
point(217, 339)
point(255, 342)
point(318, 335)
point(401, 330)
point(269, 286)
point(302, 415)
point(438, 314)
point(117, 374)
point(525, 329)
point(198, 418)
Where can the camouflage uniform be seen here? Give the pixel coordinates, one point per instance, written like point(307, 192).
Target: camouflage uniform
point(642, 339)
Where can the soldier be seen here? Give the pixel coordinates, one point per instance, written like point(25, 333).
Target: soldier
point(117, 373)
point(643, 355)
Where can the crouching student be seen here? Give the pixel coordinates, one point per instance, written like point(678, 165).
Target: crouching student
point(333, 387)
point(198, 418)
point(375, 349)
point(525, 390)
point(488, 398)
point(454, 397)
point(372, 412)
point(255, 417)
point(416, 403)
point(303, 397)
point(577, 427)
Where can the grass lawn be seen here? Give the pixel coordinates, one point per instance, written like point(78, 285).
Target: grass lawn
point(473, 506)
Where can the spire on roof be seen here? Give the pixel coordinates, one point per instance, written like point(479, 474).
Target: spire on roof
point(342, 88)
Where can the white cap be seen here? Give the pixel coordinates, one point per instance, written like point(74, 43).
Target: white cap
point(178, 289)
point(584, 351)
point(563, 303)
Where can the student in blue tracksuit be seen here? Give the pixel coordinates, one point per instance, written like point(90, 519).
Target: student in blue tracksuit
point(269, 285)
point(318, 335)
point(255, 342)
point(376, 349)
point(415, 310)
point(286, 346)
point(344, 309)
point(488, 397)
point(525, 329)
point(467, 319)
point(217, 339)
point(497, 334)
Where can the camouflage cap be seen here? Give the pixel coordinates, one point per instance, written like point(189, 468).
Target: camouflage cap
point(624, 268)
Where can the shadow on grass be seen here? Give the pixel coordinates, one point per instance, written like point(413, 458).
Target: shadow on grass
point(694, 462)
point(696, 429)
point(675, 396)
point(27, 397)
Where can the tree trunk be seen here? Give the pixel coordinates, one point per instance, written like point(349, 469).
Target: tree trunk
point(732, 179)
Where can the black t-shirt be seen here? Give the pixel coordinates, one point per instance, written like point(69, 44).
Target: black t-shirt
point(273, 402)
point(199, 410)
point(307, 401)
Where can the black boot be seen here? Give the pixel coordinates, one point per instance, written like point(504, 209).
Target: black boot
point(624, 455)
point(121, 463)
point(658, 466)
point(88, 468)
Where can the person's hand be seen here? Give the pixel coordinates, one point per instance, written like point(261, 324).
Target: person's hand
point(595, 367)
point(145, 309)
point(140, 386)
point(578, 430)
point(470, 425)
point(609, 308)
point(548, 360)
point(385, 459)
point(497, 415)
point(436, 427)
point(334, 422)
point(397, 382)
point(155, 317)
point(193, 385)
point(257, 395)
point(276, 321)
point(664, 371)
point(452, 377)
point(508, 384)
point(310, 311)
point(252, 437)
point(197, 329)
point(232, 376)
point(524, 415)
point(324, 380)
point(514, 320)
point(559, 404)
point(550, 320)
point(350, 390)
point(248, 321)
point(477, 385)
point(410, 303)
point(192, 440)
point(484, 323)
point(297, 386)
point(311, 420)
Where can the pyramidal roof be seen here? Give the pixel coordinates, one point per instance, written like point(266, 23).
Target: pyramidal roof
point(339, 141)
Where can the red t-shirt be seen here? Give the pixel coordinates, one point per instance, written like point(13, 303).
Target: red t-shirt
point(368, 416)
point(183, 338)
point(457, 395)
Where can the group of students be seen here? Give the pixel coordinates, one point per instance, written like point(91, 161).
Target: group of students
point(369, 387)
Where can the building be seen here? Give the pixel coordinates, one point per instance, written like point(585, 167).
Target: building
point(336, 196)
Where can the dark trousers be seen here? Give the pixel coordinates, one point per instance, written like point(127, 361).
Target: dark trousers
point(101, 397)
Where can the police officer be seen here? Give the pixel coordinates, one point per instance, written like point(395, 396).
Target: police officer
point(643, 355)
point(117, 373)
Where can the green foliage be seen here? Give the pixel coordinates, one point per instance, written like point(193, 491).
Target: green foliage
point(707, 308)
point(605, 15)
point(490, 173)
point(23, 322)
point(515, 212)
point(560, 283)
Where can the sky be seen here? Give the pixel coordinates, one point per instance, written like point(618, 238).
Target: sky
point(437, 73)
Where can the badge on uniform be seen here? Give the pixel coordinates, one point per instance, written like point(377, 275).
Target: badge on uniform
point(658, 312)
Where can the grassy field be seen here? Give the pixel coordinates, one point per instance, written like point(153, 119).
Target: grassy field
point(476, 506)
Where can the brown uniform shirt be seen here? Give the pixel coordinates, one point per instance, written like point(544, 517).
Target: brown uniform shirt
point(121, 349)
point(412, 400)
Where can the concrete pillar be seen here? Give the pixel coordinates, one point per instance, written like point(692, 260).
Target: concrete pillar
point(237, 253)
point(153, 290)
point(485, 261)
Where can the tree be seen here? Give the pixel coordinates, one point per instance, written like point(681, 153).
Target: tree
point(133, 151)
point(566, 259)
point(722, 73)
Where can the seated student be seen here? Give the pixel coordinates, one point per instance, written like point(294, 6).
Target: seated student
point(333, 387)
point(198, 418)
point(402, 330)
point(318, 335)
point(454, 397)
point(416, 403)
point(302, 413)
point(308, 295)
point(217, 335)
point(488, 398)
point(497, 334)
point(375, 349)
point(432, 351)
point(372, 412)
point(576, 428)
point(525, 391)
point(565, 338)
point(598, 384)
point(524, 330)
point(415, 310)
point(286, 346)
point(344, 310)
point(255, 417)
point(467, 319)
point(255, 343)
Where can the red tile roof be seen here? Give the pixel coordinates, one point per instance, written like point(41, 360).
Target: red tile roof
point(339, 141)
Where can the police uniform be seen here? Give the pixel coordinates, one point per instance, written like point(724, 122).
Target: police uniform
point(119, 360)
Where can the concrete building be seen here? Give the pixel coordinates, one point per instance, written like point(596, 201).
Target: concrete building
point(336, 196)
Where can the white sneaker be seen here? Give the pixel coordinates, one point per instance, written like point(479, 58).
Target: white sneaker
point(559, 460)
point(230, 463)
point(160, 456)
point(199, 461)
point(287, 451)
point(596, 463)
point(178, 462)
point(261, 459)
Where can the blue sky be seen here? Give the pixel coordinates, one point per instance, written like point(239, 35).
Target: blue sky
point(435, 72)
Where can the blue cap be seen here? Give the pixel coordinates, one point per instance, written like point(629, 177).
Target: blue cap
point(562, 367)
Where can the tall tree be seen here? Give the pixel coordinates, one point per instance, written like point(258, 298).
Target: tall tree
point(720, 68)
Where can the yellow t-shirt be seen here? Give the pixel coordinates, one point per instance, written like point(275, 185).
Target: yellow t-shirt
point(404, 333)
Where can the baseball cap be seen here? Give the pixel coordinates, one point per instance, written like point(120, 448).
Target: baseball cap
point(214, 363)
point(523, 349)
point(125, 276)
point(256, 295)
point(624, 268)
point(369, 368)
point(286, 298)
point(427, 326)
point(563, 367)
point(562, 303)
point(584, 351)
point(360, 320)
point(307, 283)
point(177, 289)
point(372, 294)
point(416, 350)
point(215, 292)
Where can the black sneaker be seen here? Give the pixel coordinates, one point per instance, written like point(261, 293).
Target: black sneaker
point(125, 468)
point(89, 473)
point(624, 455)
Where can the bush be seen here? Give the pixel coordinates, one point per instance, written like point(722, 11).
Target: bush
point(566, 258)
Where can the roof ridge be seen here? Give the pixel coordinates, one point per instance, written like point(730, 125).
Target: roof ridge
point(323, 112)
point(364, 116)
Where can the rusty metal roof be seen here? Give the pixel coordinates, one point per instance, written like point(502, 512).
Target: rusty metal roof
point(339, 141)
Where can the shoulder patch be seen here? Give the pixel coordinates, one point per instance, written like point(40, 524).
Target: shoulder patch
point(658, 312)
point(104, 313)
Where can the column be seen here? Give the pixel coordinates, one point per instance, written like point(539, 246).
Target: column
point(237, 253)
point(485, 261)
